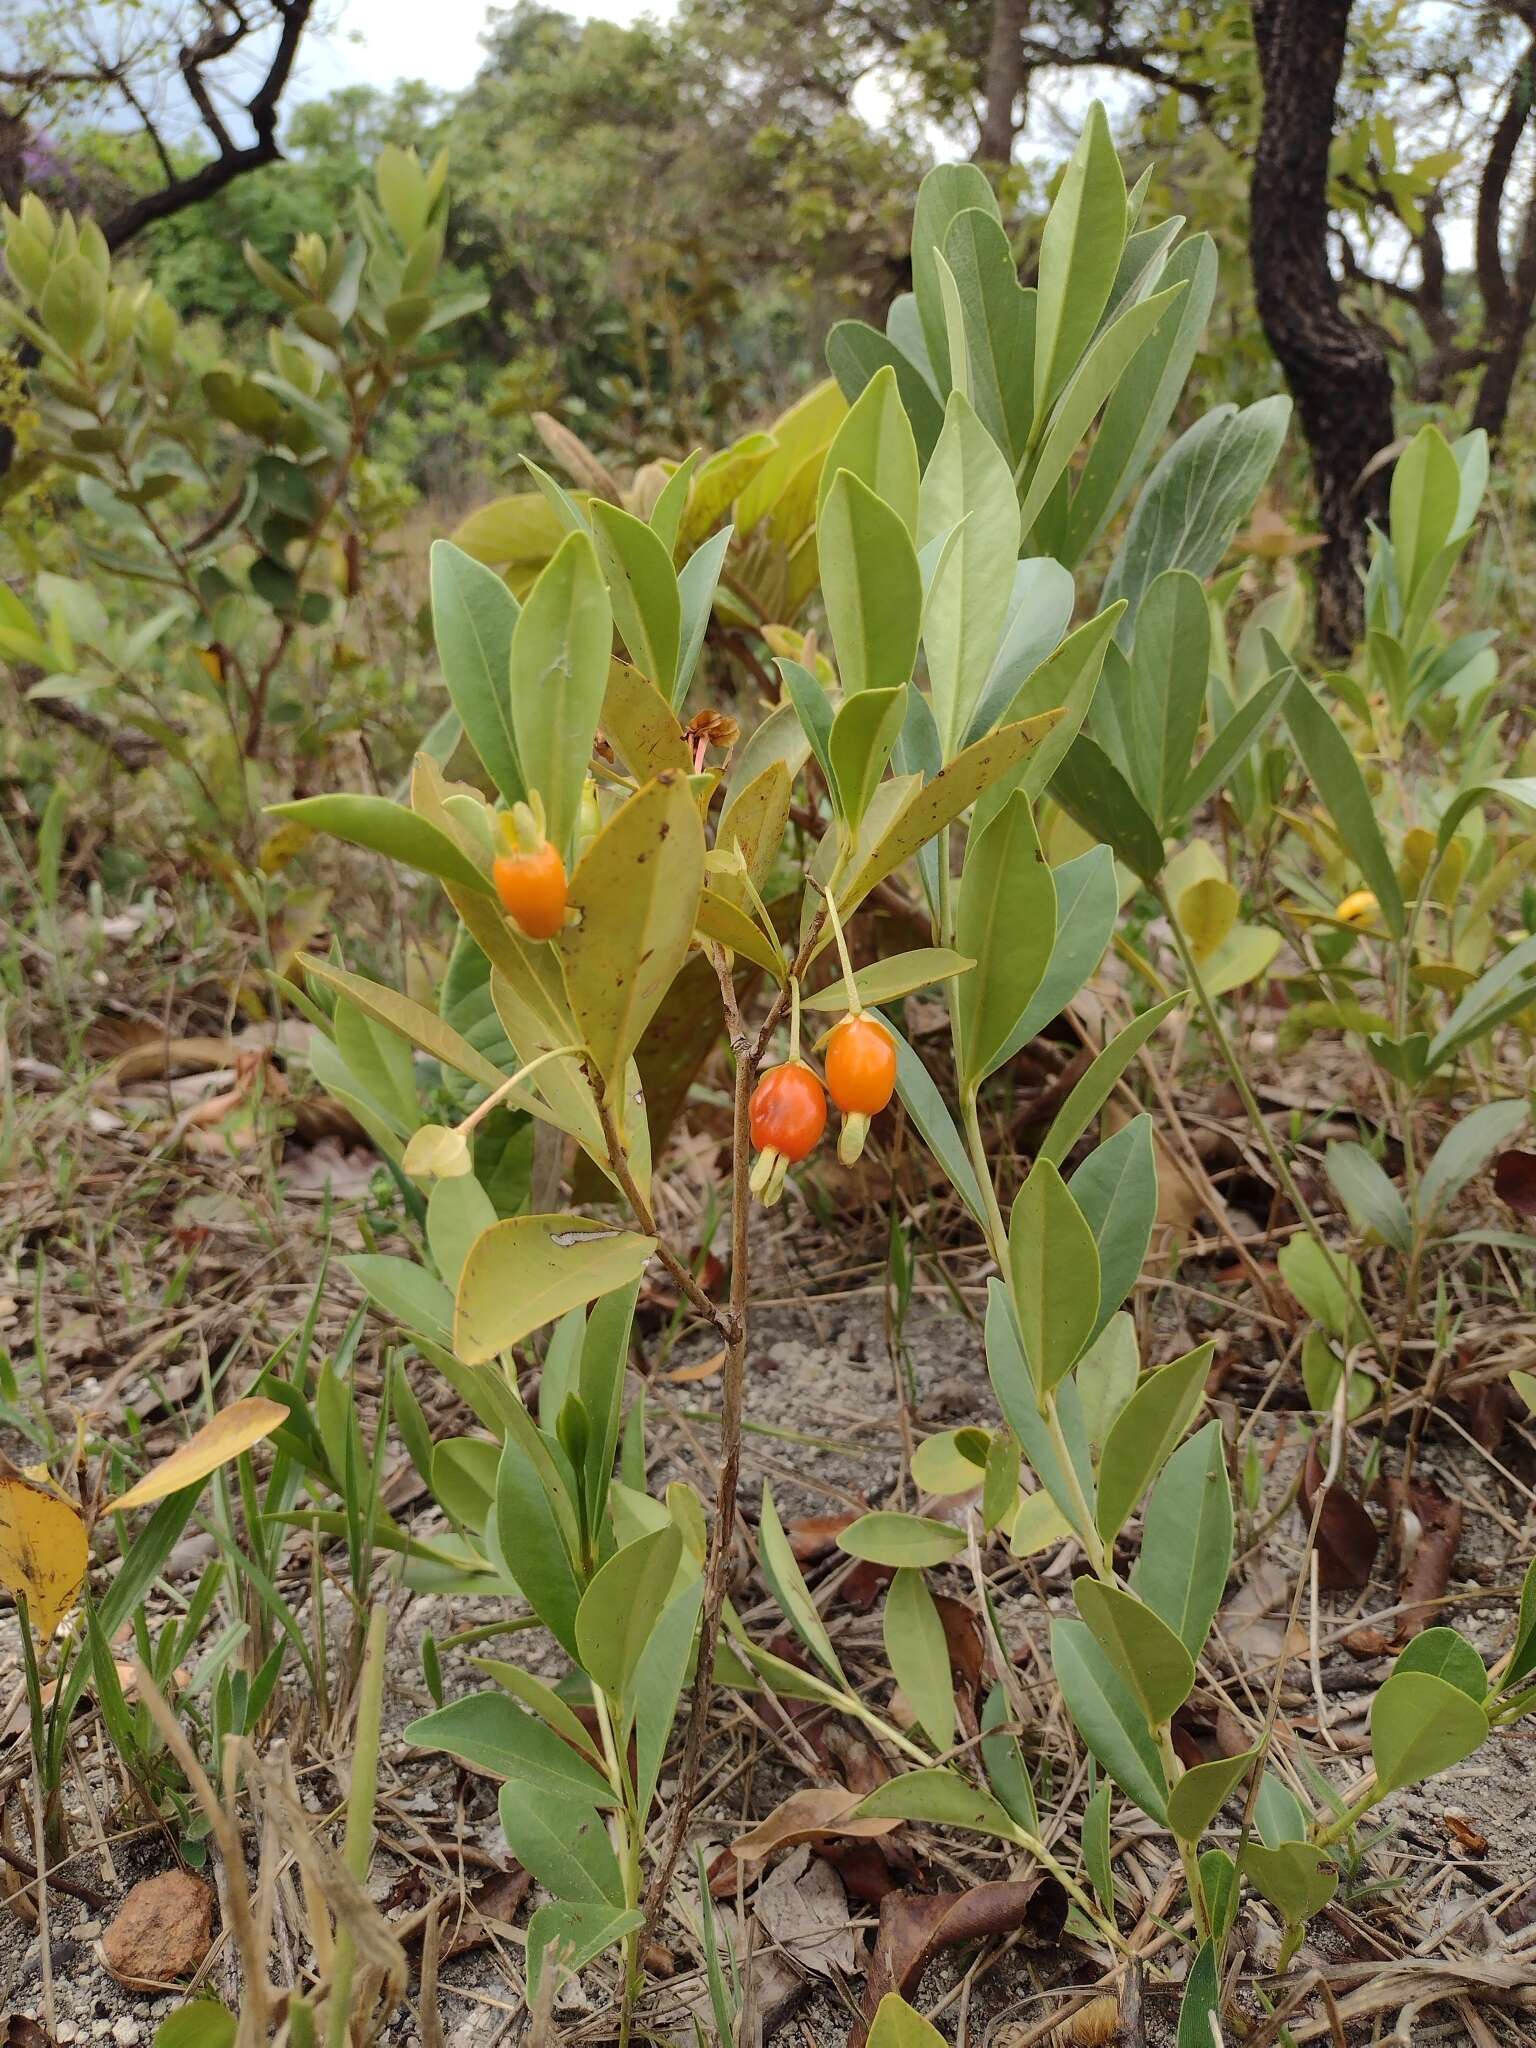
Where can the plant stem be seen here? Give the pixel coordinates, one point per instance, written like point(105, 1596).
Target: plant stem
point(733, 1399)
point(1255, 1114)
point(357, 1848)
point(618, 1165)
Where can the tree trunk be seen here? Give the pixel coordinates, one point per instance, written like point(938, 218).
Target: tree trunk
point(1004, 81)
point(1507, 303)
point(1337, 371)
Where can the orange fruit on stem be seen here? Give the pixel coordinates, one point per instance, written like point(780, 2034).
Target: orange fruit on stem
point(531, 885)
point(861, 1066)
point(788, 1111)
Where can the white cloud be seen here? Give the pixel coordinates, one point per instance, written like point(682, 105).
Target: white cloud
point(379, 42)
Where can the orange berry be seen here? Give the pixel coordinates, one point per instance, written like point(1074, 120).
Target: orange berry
point(531, 886)
point(788, 1111)
point(861, 1066)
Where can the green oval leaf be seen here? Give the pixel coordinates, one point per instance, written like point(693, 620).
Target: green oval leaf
point(1421, 1725)
point(387, 828)
point(561, 648)
point(527, 1270)
point(888, 1538)
point(1143, 1649)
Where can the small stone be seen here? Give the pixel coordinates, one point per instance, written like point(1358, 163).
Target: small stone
point(163, 1930)
point(66, 2032)
point(125, 2032)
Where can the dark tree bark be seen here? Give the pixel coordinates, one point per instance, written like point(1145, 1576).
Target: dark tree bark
point(1004, 81)
point(1508, 302)
point(1336, 369)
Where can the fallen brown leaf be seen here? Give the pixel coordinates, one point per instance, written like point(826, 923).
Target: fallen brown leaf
point(804, 1908)
point(812, 1814)
point(967, 1657)
point(1514, 1181)
point(815, 1536)
point(701, 1369)
point(1429, 1568)
point(22, 2032)
point(914, 1926)
point(1346, 1536)
point(1464, 1834)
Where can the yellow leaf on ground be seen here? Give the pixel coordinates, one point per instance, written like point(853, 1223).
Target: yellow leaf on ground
point(43, 1552)
point(229, 1433)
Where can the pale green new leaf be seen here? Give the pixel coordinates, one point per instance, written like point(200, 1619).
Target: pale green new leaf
point(1080, 252)
point(875, 445)
point(561, 648)
point(1053, 1266)
point(1006, 922)
point(870, 584)
point(642, 586)
point(918, 1655)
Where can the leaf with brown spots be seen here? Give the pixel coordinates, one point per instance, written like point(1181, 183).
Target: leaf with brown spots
point(43, 1552)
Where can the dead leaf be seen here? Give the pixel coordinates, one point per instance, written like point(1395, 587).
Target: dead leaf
point(1514, 1181)
point(862, 1587)
point(1429, 1569)
point(162, 1932)
point(1347, 1540)
point(155, 1057)
point(804, 1908)
point(43, 1552)
point(1464, 1834)
point(815, 1536)
point(22, 2032)
point(232, 1430)
point(702, 1369)
point(914, 1926)
point(1489, 1406)
point(1254, 1619)
point(810, 1815)
point(1271, 536)
point(967, 1657)
point(866, 1868)
point(496, 1899)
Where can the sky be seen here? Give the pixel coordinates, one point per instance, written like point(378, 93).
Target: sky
point(378, 42)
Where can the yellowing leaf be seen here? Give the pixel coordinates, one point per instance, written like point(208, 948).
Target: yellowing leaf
point(43, 1552)
point(636, 892)
point(1207, 911)
point(527, 1270)
point(233, 1430)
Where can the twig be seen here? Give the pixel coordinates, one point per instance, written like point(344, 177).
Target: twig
point(732, 1404)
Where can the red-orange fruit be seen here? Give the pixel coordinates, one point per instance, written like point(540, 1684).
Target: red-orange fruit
point(532, 890)
point(861, 1066)
point(788, 1111)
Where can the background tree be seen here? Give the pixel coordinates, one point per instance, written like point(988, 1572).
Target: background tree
point(119, 68)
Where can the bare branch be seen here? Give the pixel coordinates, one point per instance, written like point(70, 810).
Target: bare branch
point(233, 159)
